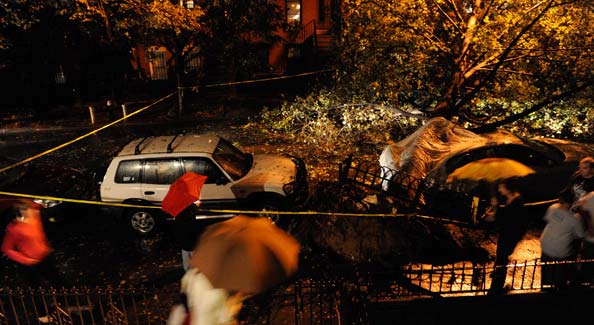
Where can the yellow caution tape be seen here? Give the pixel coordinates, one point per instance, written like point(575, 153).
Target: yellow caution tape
point(22, 162)
point(335, 214)
point(255, 80)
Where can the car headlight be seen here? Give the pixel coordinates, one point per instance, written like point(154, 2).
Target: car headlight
point(47, 203)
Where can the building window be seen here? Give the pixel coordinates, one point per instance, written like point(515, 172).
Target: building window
point(294, 11)
point(60, 77)
point(293, 52)
point(189, 4)
point(194, 62)
point(157, 62)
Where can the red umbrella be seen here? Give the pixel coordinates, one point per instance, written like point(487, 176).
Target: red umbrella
point(183, 192)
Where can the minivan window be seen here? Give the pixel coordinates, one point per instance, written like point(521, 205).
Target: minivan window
point(128, 171)
point(236, 163)
point(203, 166)
point(161, 171)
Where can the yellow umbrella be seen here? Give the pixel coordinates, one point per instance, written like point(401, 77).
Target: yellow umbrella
point(490, 170)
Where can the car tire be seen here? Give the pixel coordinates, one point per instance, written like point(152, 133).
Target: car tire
point(274, 203)
point(142, 222)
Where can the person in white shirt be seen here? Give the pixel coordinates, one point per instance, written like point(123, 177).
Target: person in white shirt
point(558, 242)
point(585, 207)
point(204, 304)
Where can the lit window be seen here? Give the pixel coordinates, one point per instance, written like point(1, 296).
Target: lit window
point(294, 11)
point(60, 77)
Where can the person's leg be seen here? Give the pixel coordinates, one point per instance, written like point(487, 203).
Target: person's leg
point(546, 272)
point(587, 254)
point(499, 271)
point(51, 274)
point(37, 305)
point(186, 255)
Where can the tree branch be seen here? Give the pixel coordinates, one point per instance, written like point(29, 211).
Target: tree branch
point(489, 79)
point(512, 118)
point(445, 14)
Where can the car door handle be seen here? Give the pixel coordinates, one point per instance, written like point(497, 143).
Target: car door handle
point(149, 193)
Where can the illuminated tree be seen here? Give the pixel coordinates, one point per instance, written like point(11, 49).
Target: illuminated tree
point(487, 62)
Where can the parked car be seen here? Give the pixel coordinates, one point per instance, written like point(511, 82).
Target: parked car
point(143, 170)
point(439, 147)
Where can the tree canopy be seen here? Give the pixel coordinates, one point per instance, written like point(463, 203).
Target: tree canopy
point(101, 32)
point(484, 62)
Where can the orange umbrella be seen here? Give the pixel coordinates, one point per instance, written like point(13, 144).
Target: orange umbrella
point(183, 192)
point(490, 170)
point(247, 254)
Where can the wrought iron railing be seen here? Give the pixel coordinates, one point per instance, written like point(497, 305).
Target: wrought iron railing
point(305, 32)
point(413, 194)
point(81, 306)
point(321, 298)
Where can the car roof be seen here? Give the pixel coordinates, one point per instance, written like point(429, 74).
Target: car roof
point(171, 144)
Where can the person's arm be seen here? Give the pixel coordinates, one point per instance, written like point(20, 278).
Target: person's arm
point(548, 217)
point(579, 230)
point(586, 220)
point(9, 249)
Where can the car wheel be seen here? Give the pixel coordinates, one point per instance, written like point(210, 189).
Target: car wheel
point(267, 206)
point(268, 209)
point(142, 222)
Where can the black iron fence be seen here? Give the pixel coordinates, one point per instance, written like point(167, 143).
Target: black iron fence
point(341, 297)
point(81, 306)
point(413, 194)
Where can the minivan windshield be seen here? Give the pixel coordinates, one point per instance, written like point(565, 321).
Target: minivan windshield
point(235, 162)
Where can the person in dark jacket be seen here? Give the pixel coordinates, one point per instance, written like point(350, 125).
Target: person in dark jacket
point(188, 225)
point(511, 221)
point(582, 181)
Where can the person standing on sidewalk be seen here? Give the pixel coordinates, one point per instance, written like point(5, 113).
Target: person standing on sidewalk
point(187, 228)
point(585, 208)
point(511, 220)
point(558, 242)
point(582, 181)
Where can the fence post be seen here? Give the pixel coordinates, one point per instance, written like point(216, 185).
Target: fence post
point(419, 193)
point(92, 113)
point(474, 209)
point(343, 169)
point(124, 113)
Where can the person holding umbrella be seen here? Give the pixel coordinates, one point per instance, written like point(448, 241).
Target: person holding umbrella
point(512, 221)
point(187, 228)
point(233, 260)
point(182, 202)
